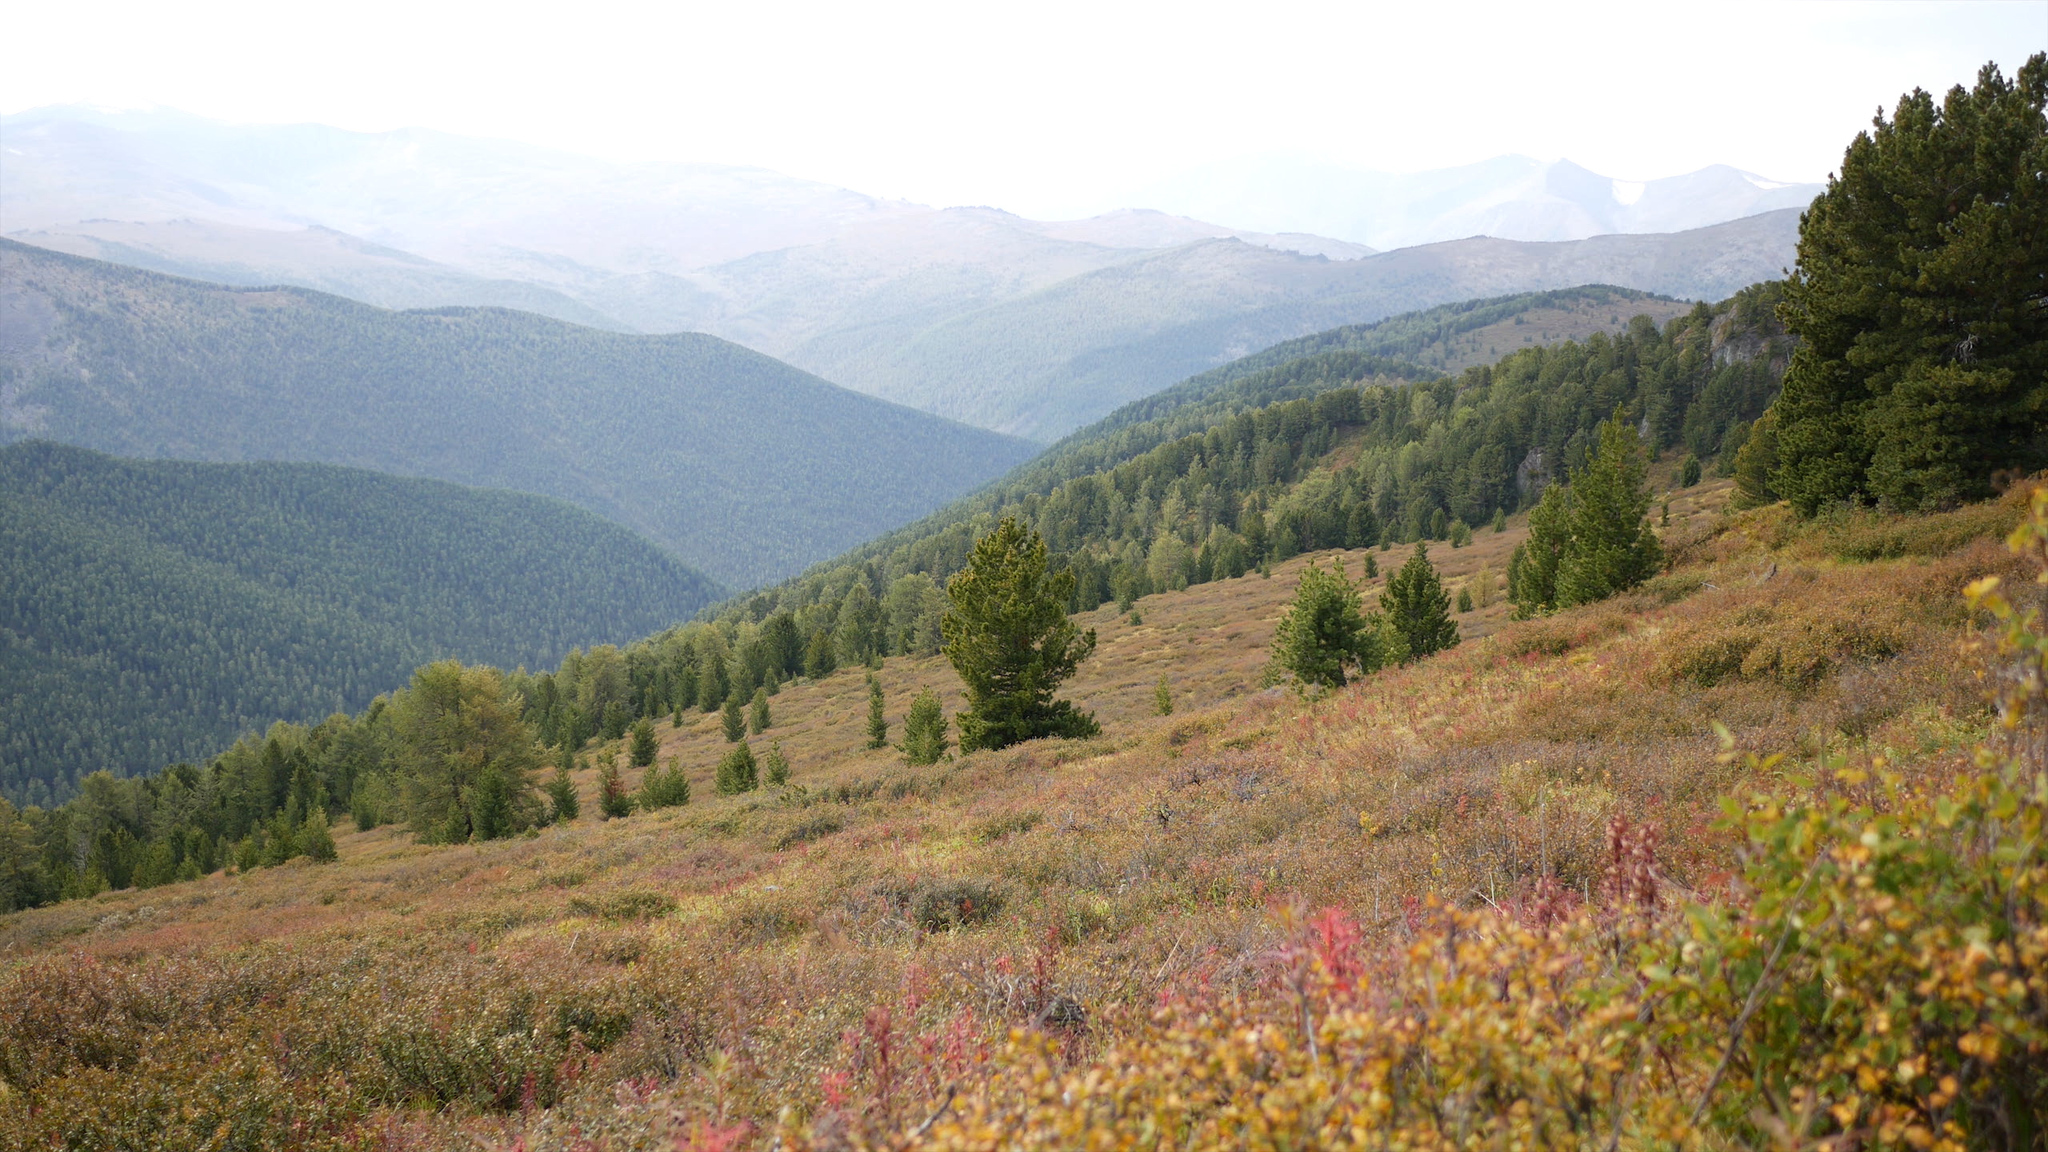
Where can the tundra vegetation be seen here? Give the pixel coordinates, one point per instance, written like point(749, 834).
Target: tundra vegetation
point(1729, 834)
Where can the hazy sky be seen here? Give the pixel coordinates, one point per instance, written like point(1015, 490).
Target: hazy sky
point(1050, 109)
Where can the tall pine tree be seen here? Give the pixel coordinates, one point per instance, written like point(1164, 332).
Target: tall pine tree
point(1918, 300)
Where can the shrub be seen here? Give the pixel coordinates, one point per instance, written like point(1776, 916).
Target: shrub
point(633, 904)
point(954, 904)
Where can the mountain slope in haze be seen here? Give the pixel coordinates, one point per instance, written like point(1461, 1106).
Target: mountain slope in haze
point(156, 610)
point(1066, 355)
point(745, 467)
point(1027, 327)
point(317, 258)
point(1511, 197)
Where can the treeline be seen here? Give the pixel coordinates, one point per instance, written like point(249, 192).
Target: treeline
point(1349, 465)
point(450, 755)
point(155, 610)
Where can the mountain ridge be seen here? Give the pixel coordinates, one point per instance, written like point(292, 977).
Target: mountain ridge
point(697, 443)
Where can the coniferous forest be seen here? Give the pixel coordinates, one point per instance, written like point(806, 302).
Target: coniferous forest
point(156, 610)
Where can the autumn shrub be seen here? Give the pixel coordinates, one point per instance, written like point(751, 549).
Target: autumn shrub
point(1792, 635)
point(632, 904)
point(950, 904)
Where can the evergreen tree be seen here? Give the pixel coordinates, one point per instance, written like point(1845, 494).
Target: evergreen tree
point(644, 744)
point(818, 659)
point(712, 684)
point(1500, 521)
point(1372, 567)
point(1609, 543)
point(664, 787)
point(878, 723)
point(758, 718)
point(612, 798)
point(563, 802)
point(737, 772)
point(1532, 570)
point(316, 842)
point(615, 720)
point(776, 765)
point(1464, 598)
point(1415, 604)
point(924, 730)
point(1922, 367)
point(1009, 638)
point(734, 719)
point(1689, 471)
point(1325, 631)
point(1755, 461)
point(1162, 696)
point(1460, 533)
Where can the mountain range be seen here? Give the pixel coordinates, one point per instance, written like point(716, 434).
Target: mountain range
point(1028, 327)
point(1509, 197)
point(742, 466)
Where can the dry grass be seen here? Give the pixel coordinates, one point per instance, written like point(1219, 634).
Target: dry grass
point(725, 957)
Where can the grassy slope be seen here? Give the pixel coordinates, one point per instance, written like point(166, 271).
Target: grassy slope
point(1168, 849)
point(159, 609)
point(744, 466)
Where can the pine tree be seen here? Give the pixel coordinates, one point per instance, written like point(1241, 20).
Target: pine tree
point(924, 730)
point(1689, 471)
point(1532, 570)
point(1922, 364)
point(1162, 696)
point(1755, 461)
point(664, 787)
point(712, 685)
point(1500, 521)
point(734, 719)
point(818, 659)
point(315, 841)
point(1461, 534)
point(1464, 598)
point(737, 772)
point(563, 802)
point(1325, 631)
point(1415, 603)
point(776, 765)
point(1009, 638)
point(758, 718)
point(644, 744)
point(878, 724)
point(1609, 543)
point(612, 799)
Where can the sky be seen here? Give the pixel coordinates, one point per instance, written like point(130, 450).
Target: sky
point(1050, 109)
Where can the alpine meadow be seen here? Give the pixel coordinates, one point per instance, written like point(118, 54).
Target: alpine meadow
point(1583, 719)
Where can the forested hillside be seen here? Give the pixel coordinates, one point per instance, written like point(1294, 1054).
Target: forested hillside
point(1335, 449)
point(153, 611)
point(745, 467)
